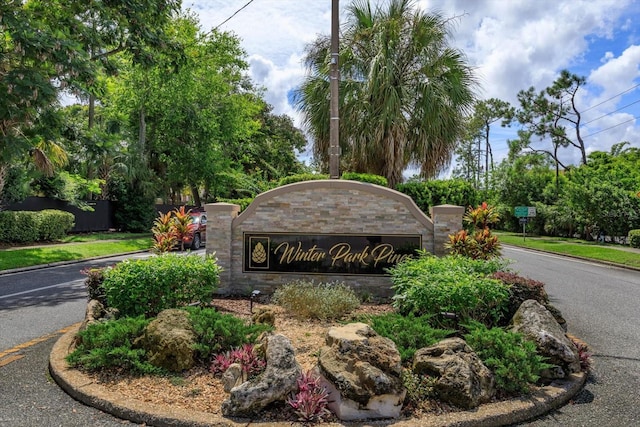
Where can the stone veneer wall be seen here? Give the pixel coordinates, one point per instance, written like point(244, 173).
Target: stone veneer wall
point(323, 207)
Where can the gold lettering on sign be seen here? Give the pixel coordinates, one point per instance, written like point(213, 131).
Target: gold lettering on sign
point(296, 253)
point(342, 252)
point(386, 253)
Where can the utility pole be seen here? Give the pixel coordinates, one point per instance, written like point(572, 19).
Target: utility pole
point(334, 78)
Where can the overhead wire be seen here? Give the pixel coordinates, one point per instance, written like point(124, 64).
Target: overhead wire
point(234, 14)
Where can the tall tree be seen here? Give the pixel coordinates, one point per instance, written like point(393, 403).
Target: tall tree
point(403, 93)
point(51, 46)
point(552, 116)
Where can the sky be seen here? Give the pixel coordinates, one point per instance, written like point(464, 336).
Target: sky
point(512, 44)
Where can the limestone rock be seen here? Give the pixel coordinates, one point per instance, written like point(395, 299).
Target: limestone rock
point(362, 373)
point(462, 379)
point(537, 324)
point(232, 377)
point(275, 384)
point(264, 316)
point(169, 340)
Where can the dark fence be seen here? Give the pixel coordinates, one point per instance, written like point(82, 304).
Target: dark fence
point(102, 217)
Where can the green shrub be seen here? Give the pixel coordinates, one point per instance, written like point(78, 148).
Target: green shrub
point(634, 238)
point(409, 333)
point(217, 332)
point(54, 224)
point(105, 345)
point(321, 301)
point(302, 177)
point(243, 203)
point(25, 227)
point(419, 387)
point(154, 284)
point(366, 177)
point(452, 284)
point(512, 359)
point(6, 225)
point(427, 194)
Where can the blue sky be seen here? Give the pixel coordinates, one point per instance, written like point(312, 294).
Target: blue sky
point(514, 44)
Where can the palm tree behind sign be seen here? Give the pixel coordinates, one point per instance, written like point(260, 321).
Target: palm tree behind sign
point(403, 91)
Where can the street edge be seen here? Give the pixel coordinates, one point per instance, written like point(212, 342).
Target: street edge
point(595, 261)
point(86, 390)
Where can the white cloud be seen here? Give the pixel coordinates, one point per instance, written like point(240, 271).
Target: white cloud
point(514, 44)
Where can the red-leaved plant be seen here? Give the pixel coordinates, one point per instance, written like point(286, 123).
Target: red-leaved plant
point(583, 353)
point(310, 402)
point(251, 363)
point(478, 242)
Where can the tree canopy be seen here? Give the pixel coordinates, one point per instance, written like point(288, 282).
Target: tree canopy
point(403, 91)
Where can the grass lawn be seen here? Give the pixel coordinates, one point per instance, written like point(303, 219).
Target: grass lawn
point(74, 247)
point(574, 247)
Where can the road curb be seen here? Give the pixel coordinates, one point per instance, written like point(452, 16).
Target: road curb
point(87, 391)
point(70, 262)
point(595, 261)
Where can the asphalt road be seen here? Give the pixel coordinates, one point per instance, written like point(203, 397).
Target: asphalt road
point(598, 302)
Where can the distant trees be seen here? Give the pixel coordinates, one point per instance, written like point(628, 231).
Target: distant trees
point(403, 93)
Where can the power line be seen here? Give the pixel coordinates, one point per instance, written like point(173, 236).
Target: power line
point(608, 114)
point(609, 99)
point(611, 127)
point(234, 14)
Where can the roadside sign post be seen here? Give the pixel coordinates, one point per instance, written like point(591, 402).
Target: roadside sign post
point(524, 213)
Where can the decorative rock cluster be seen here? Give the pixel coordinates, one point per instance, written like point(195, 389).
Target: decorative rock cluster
point(360, 369)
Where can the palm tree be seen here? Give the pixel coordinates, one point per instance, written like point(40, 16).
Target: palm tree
point(403, 92)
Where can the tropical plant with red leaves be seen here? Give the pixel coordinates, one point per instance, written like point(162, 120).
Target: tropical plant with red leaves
point(311, 400)
point(476, 242)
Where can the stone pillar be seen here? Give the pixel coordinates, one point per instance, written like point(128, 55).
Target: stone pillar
point(447, 219)
point(219, 219)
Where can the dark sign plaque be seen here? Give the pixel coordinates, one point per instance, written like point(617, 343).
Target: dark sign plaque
point(326, 253)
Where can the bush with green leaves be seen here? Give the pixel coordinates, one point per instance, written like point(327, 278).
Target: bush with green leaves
point(427, 194)
point(106, 345)
point(419, 387)
point(634, 238)
point(513, 360)
point(148, 286)
point(54, 224)
point(243, 202)
point(218, 332)
point(409, 333)
point(307, 299)
point(19, 226)
point(430, 285)
point(302, 177)
point(366, 177)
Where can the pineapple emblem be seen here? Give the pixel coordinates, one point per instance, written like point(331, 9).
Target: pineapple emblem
point(259, 255)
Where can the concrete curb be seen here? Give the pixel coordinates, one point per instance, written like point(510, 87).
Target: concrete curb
point(70, 262)
point(87, 391)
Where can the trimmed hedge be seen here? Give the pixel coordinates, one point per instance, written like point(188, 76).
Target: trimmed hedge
point(33, 226)
point(634, 238)
point(366, 177)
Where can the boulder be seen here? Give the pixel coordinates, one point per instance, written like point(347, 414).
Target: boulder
point(264, 316)
point(169, 340)
point(276, 383)
point(361, 371)
point(462, 379)
point(537, 324)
